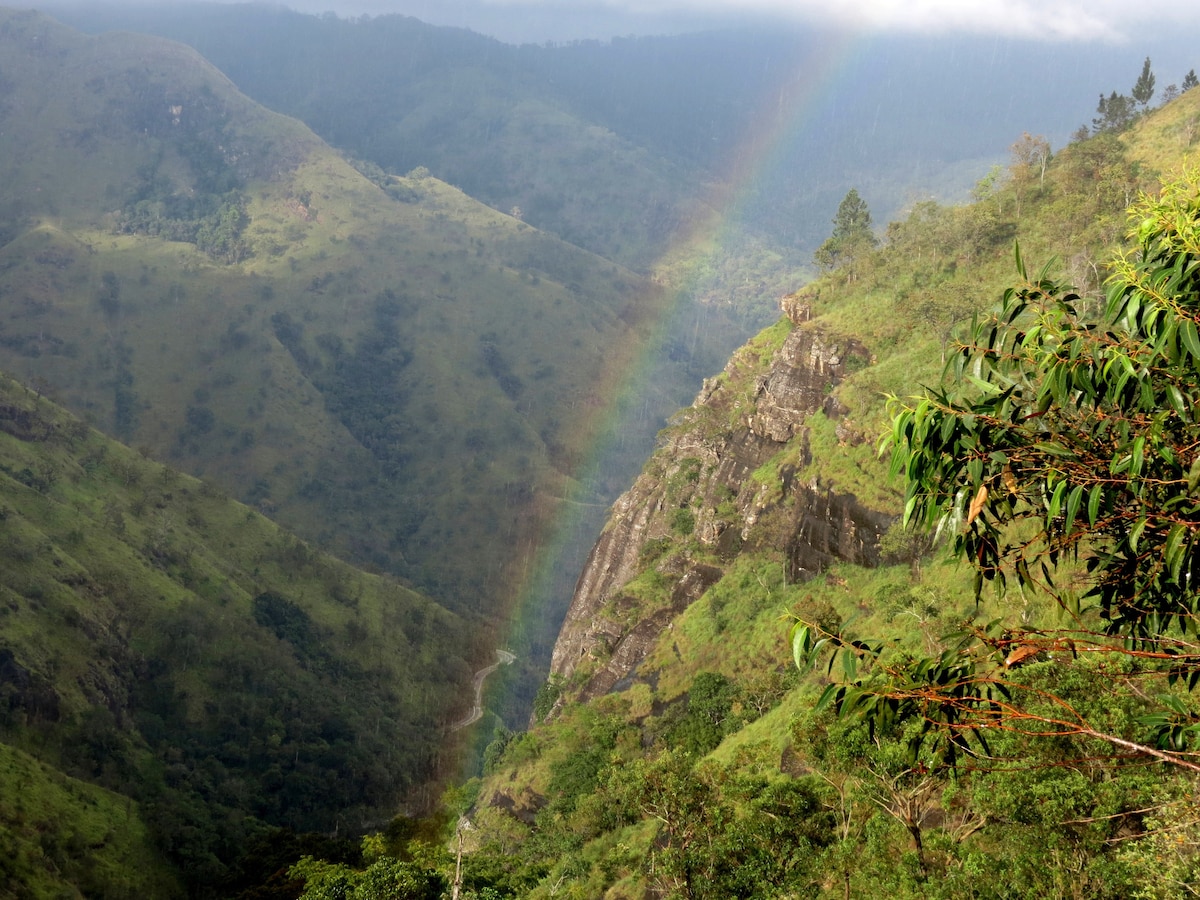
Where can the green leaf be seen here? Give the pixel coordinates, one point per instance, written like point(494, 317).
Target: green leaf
point(1173, 551)
point(849, 666)
point(1094, 498)
point(1073, 501)
point(1193, 476)
point(800, 647)
point(834, 694)
point(985, 387)
point(1175, 398)
point(1191, 339)
point(1135, 533)
point(1055, 505)
point(1053, 448)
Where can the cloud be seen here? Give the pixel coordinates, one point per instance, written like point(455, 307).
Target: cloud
point(1017, 18)
point(1109, 21)
point(1057, 20)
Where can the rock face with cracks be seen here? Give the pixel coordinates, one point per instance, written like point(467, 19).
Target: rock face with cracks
point(702, 495)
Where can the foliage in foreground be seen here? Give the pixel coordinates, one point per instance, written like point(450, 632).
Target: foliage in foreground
point(1061, 452)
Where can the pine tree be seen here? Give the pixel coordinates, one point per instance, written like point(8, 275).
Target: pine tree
point(1143, 88)
point(1115, 113)
point(851, 235)
point(1189, 80)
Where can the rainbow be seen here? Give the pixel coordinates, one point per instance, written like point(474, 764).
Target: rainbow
point(550, 571)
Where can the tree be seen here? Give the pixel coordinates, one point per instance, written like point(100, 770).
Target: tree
point(1030, 156)
point(1115, 114)
point(1143, 88)
point(851, 237)
point(988, 187)
point(384, 878)
point(1189, 80)
point(709, 715)
point(720, 830)
point(1062, 454)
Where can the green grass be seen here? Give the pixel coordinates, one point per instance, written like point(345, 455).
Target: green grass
point(60, 836)
point(146, 660)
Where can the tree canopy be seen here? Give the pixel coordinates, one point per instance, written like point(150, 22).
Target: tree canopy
point(851, 234)
point(1062, 456)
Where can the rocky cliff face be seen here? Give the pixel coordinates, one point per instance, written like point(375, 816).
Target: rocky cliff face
point(727, 475)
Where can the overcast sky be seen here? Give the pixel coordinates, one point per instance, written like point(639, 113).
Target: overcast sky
point(536, 20)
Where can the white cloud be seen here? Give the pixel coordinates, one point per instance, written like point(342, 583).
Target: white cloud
point(1069, 21)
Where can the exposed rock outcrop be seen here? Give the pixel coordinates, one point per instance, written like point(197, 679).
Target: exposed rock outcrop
point(701, 498)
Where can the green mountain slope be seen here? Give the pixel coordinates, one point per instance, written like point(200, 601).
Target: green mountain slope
point(175, 647)
point(389, 368)
point(61, 837)
point(675, 740)
point(405, 94)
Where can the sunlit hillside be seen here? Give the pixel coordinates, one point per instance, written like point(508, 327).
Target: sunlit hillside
point(369, 398)
point(678, 751)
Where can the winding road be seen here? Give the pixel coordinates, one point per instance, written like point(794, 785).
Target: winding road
point(503, 658)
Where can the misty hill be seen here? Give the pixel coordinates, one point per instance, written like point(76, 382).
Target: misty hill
point(612, 144)
point(403, 94)
point(392, 369)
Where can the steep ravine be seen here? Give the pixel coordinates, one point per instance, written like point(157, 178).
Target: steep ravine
point(726, 476)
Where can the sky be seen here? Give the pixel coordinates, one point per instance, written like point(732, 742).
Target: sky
point(1111, 21)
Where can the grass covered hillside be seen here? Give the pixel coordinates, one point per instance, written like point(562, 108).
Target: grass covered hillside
point(391, 369)
point(678, 750)
point(196, 675)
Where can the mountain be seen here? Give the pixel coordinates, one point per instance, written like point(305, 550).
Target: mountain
point(613, 144)
point(404, 94)
point(677, 751)
point(416, 381)
point(388, 367)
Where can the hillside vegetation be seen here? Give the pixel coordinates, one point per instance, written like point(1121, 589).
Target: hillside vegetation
point(193, 698)
point(179, 650)
point(677, 751)
point(391, 369)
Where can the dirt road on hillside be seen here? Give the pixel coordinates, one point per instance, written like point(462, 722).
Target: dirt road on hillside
point(503, 658)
